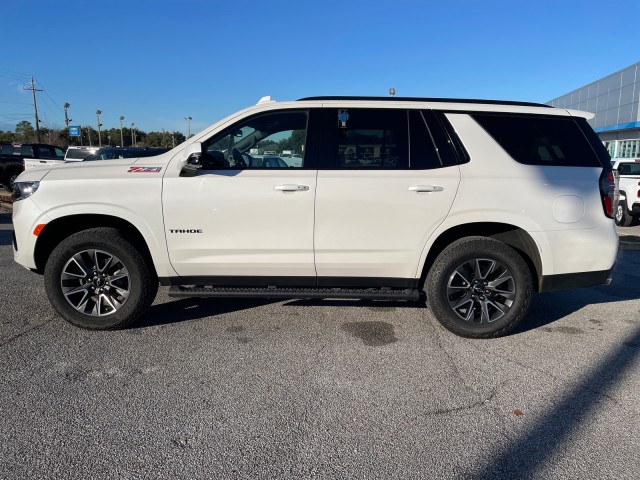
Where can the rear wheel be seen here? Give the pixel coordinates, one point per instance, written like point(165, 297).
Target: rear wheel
point(100, 280)
point(479, 288)
point(623, 218)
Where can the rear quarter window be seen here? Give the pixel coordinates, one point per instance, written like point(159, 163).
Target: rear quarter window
point(542, 140)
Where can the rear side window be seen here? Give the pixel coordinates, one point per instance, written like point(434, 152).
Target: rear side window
point(372, 139)
point(541, 140)
point(26, 150)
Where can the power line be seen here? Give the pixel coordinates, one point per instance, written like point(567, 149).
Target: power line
point(13, 77)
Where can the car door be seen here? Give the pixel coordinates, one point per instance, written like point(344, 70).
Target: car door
point(238, 221)
point(383, 188)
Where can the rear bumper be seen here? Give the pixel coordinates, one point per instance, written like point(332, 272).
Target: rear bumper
point(574, 280)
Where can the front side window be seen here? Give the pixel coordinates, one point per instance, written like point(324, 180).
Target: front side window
point(270, 140)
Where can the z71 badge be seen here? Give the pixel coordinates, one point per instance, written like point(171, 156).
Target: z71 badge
point(144, 169)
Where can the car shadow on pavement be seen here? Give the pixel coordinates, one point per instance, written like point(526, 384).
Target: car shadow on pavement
point(5, 231)
point(182, 310)
point(546, 308)
point(5, 237)
point(550, 307)
point(535, 449)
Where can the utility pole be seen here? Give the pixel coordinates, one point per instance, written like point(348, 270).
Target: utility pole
point(66, 118)
point(188, 119)
point(35, 106)
point(66, 115)
point(133, 134)
point(98, 112)
point(121, 136)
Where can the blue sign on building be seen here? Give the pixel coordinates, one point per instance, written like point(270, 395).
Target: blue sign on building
point(74, 131)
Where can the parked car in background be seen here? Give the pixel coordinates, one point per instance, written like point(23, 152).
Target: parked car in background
point(110, 153)
point(274, 162)
point(629, 205)
point(13, 155)
point(79, 153)
point(84, 154)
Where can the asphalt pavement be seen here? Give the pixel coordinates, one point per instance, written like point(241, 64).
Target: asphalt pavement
point(320, 389)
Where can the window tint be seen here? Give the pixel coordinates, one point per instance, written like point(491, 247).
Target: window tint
point(629, 168)
point(372, 139)
point(7, 149)
point(539, 140)
point(26, 150)
point(259, 141)
point(423, 153)
point(450, 148)
point(45, 152)
point(79, 153)
point(59, 152)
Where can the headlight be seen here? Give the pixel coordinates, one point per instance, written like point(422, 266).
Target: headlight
point(22, 190)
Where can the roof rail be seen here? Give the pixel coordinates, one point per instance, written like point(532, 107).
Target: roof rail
point(420, 99)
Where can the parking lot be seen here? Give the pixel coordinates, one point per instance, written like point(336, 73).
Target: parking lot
point(322, 388)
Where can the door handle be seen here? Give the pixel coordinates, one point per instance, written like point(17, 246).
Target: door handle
point(426, 188)
point(289, 187)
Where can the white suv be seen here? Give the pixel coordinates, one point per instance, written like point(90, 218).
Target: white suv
point(473, 204)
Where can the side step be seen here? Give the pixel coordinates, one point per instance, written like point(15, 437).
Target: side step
point(292, 292)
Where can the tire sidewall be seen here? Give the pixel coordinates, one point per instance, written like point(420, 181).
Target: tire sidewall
point(130, 257)
point(463, 251)
point(622, 207)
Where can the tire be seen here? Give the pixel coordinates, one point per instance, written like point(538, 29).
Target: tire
point(100, 260)
point(11, 178)
point(479, 287)
point(623, 219)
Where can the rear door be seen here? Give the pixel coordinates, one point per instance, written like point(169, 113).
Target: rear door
point(383, 188)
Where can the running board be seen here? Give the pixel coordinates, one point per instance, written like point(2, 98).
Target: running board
point(291, 292)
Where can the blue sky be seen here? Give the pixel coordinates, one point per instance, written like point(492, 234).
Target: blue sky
point(156, 62)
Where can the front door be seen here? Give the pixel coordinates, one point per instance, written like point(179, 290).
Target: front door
point(247, 216)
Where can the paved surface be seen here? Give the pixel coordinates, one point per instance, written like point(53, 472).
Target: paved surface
point(319, 389)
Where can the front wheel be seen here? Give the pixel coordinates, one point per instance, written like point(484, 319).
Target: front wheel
point(99, 279)
point(479, 287)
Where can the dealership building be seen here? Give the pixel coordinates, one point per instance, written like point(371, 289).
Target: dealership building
point(614, 99)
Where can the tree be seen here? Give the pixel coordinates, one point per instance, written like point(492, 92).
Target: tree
point(7, 136)
point(24, 131)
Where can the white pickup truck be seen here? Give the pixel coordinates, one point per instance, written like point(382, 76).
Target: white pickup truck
point(629, 204)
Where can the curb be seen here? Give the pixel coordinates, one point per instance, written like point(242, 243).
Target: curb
point(629, 242)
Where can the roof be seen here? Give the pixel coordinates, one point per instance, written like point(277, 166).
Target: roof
point(421, 99)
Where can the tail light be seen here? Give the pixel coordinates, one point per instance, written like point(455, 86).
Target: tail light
point(609, 191)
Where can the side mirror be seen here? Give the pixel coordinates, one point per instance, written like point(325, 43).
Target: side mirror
point(194, 156)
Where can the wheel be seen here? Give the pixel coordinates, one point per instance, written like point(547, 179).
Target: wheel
point(100, 280)
point(10, 180)
point(623, 219)
point(479, 287)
